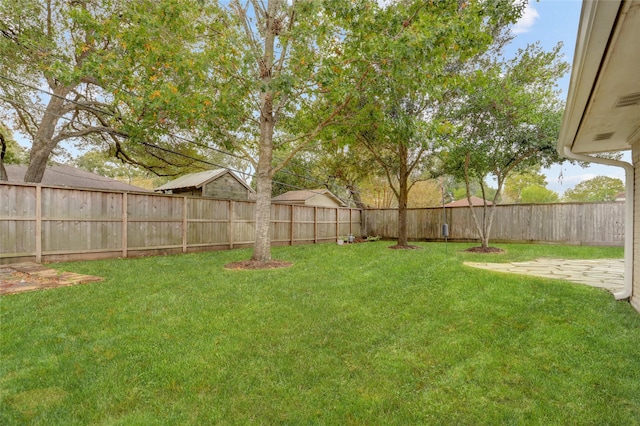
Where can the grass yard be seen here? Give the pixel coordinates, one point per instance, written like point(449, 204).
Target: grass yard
point(354, 334)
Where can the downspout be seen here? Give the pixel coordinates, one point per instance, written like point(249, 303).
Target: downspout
point(626, 291)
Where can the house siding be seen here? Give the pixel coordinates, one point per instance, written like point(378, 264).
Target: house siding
point(635, 297)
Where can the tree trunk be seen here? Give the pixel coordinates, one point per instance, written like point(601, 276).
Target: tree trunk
point(262, 243)
point(3, 151)
point(403, 196)
point(43, 142)
point(488, 220)
point(355, 195)
point(264, 172)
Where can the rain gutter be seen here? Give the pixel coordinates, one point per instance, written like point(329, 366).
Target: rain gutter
point(598, 20)
point(627, 290)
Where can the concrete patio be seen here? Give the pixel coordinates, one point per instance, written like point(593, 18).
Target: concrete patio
point(602, 273)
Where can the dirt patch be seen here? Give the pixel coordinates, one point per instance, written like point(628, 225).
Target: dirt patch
point(256, 265)
point(407, 247)
point(484, 250)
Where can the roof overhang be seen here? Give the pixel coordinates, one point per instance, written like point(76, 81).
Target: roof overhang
point(603, 104)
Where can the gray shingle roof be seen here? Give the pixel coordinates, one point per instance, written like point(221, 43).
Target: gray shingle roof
point(63, 175)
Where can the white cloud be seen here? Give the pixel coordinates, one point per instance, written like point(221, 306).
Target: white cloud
point(528, 19)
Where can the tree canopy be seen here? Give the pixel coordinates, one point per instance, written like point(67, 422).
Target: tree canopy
point(173, 85)
point(129, 74)
point(599, 188)
point(508, 120)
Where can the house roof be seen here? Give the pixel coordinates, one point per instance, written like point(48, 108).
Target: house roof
point(306, 194)
point(603, 103)
point(199, 179)
point(476, 201)
point(64, 175)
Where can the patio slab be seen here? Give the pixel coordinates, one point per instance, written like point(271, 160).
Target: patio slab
point(29, 276)
point(602, 273)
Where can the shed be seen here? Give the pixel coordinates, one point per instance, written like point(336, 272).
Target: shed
point(310, 197)
point(218, 183)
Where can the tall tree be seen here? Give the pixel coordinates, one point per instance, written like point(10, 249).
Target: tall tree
point(519, 180)
point(406, 105)
point(291, 63)
point(425, 194)
point(538, 194)
point(121, 72)
point(509, 118)
point(403, 144)
point(599, 188)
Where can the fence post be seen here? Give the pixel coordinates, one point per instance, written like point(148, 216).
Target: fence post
point(38, 224)
point(125, 224)
point(230, 224)
point(337, 223)
point(291, 225)
point(315, 225)
point(350, 221)
point(184, 224)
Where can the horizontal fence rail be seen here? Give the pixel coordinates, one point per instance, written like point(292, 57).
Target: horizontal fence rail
point(561, 223)
point(42, 223)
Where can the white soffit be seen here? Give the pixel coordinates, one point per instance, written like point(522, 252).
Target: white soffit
point(603, 106)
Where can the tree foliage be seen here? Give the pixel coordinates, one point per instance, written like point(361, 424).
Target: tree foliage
point(161, 82)
point(122, 73)
point(536, 194)
point(403, 109)
point(306, 64)
point(517, 181)
point(508, 120)
point(599, 188)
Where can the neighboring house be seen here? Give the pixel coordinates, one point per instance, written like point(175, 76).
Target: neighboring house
point(621, 197)
point(310, 197)
point(68, 176)
point(475, 201)
point(603, 109)
point(219, 183)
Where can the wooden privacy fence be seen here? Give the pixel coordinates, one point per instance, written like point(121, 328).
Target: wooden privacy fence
point(52, 223)
point(563, 223)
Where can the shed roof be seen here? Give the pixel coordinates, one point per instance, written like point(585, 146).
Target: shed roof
point(306, 194)
point(199, 179)
point(64, 175)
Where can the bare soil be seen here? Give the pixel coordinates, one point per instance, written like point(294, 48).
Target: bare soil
point(484, 250)
point(407, 247)
point(256, 265)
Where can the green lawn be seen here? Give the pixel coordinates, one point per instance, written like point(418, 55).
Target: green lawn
point(354, 334)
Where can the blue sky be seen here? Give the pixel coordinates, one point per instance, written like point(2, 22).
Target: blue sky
point(550, 22)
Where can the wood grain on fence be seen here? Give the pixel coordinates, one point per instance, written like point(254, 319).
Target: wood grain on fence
point(563, 223)
point(52, 223)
